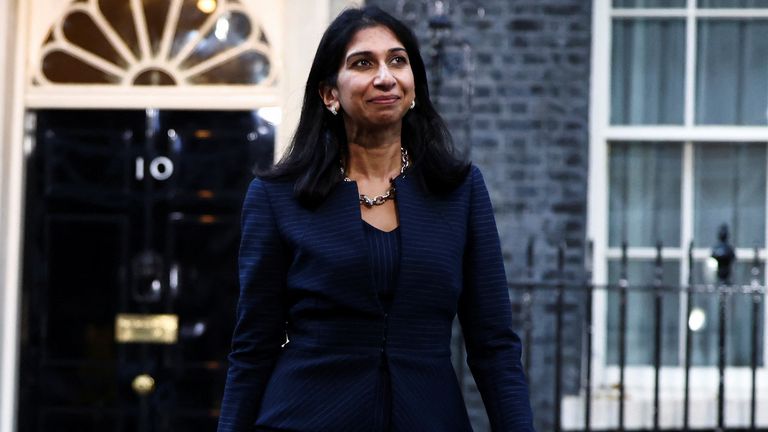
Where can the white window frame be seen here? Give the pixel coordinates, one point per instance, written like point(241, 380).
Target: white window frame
point(639, 379)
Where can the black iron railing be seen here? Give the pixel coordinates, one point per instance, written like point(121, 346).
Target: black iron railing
point(573, 301)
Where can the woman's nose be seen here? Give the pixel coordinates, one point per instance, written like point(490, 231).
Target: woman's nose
point(384, 78)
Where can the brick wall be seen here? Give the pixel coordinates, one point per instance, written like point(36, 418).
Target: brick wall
point(525, 125)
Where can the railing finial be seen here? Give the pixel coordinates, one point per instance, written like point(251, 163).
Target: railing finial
point(724, 254)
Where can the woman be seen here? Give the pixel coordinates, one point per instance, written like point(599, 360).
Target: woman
point(359, 248)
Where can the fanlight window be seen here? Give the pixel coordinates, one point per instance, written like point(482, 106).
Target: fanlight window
point(156, 43)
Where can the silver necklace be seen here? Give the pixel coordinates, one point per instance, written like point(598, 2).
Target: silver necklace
point(390, 193)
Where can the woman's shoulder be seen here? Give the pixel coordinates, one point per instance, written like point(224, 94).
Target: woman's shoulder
point(270, 189)
point(270, 183)
point(474, 172)
point(473, 187)
point(473, 177)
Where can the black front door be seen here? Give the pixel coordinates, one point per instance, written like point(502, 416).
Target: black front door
point(130, 266)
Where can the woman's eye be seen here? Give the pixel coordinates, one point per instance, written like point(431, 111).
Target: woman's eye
point(399, 59)
point(361, 63)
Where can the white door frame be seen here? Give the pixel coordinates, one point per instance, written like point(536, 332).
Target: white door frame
point(13, 13)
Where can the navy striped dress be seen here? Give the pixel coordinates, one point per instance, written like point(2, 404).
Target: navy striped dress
point(384, 257)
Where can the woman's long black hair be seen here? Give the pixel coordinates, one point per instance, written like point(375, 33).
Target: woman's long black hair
point(312, 161)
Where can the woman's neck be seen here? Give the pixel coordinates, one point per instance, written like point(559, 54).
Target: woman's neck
point(380, 162)
point(374, 156)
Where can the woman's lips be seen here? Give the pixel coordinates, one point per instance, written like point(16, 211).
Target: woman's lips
point(385, 99)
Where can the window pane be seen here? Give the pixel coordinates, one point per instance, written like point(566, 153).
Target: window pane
point(247, 68)
point(648, 68)
point(64, 68)
point(704, 320)
point(80, 29)
point(733, 3)
point(231, 30)
point(643, 208)
point(648, 3)
point(640, 313)
point(729, 188)
point(732, 73)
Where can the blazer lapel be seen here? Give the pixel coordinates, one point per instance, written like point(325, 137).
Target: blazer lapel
point(339, 219)
point(423, 230)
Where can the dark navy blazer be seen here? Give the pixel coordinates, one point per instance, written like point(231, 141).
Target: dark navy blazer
point(304, 274)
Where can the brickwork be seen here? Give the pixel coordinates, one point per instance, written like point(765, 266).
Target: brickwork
point(525, 125)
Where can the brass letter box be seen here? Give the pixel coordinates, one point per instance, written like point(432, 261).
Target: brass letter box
point(146, 328)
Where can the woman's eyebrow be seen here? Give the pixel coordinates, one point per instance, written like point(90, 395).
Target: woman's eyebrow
point(368, 53)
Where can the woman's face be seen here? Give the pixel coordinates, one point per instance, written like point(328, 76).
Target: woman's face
point(375, 85)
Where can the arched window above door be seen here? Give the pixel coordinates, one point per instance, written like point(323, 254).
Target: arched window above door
point(162, 43)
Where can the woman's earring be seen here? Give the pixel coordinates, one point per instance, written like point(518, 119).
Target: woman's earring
point(413, 104)
point(333, 109)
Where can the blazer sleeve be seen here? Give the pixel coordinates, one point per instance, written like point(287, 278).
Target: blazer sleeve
point(493, 349)
point(260, 327)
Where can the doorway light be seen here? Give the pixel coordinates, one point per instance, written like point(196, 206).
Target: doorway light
point(202, 133)
point(206, 6)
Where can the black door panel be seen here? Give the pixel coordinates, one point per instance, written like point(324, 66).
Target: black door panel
point(132, 212)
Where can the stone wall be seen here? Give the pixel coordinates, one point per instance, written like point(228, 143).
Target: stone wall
point(513, 84)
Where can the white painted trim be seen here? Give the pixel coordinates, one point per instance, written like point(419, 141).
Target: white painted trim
point(686, 236)
point(304, 25)
point(701, 134)
point(597, 204)
point(765, 276)
point(169, 28)
point(336, 6)
point(6, 107)
point(746, 13)
point(105, 97)
point(690, 65)
point(597, 179)
point(730, 13)
point(648, 13)
point(13, 227)
point(644, 253)
point(686, 213)
point(699, 253)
